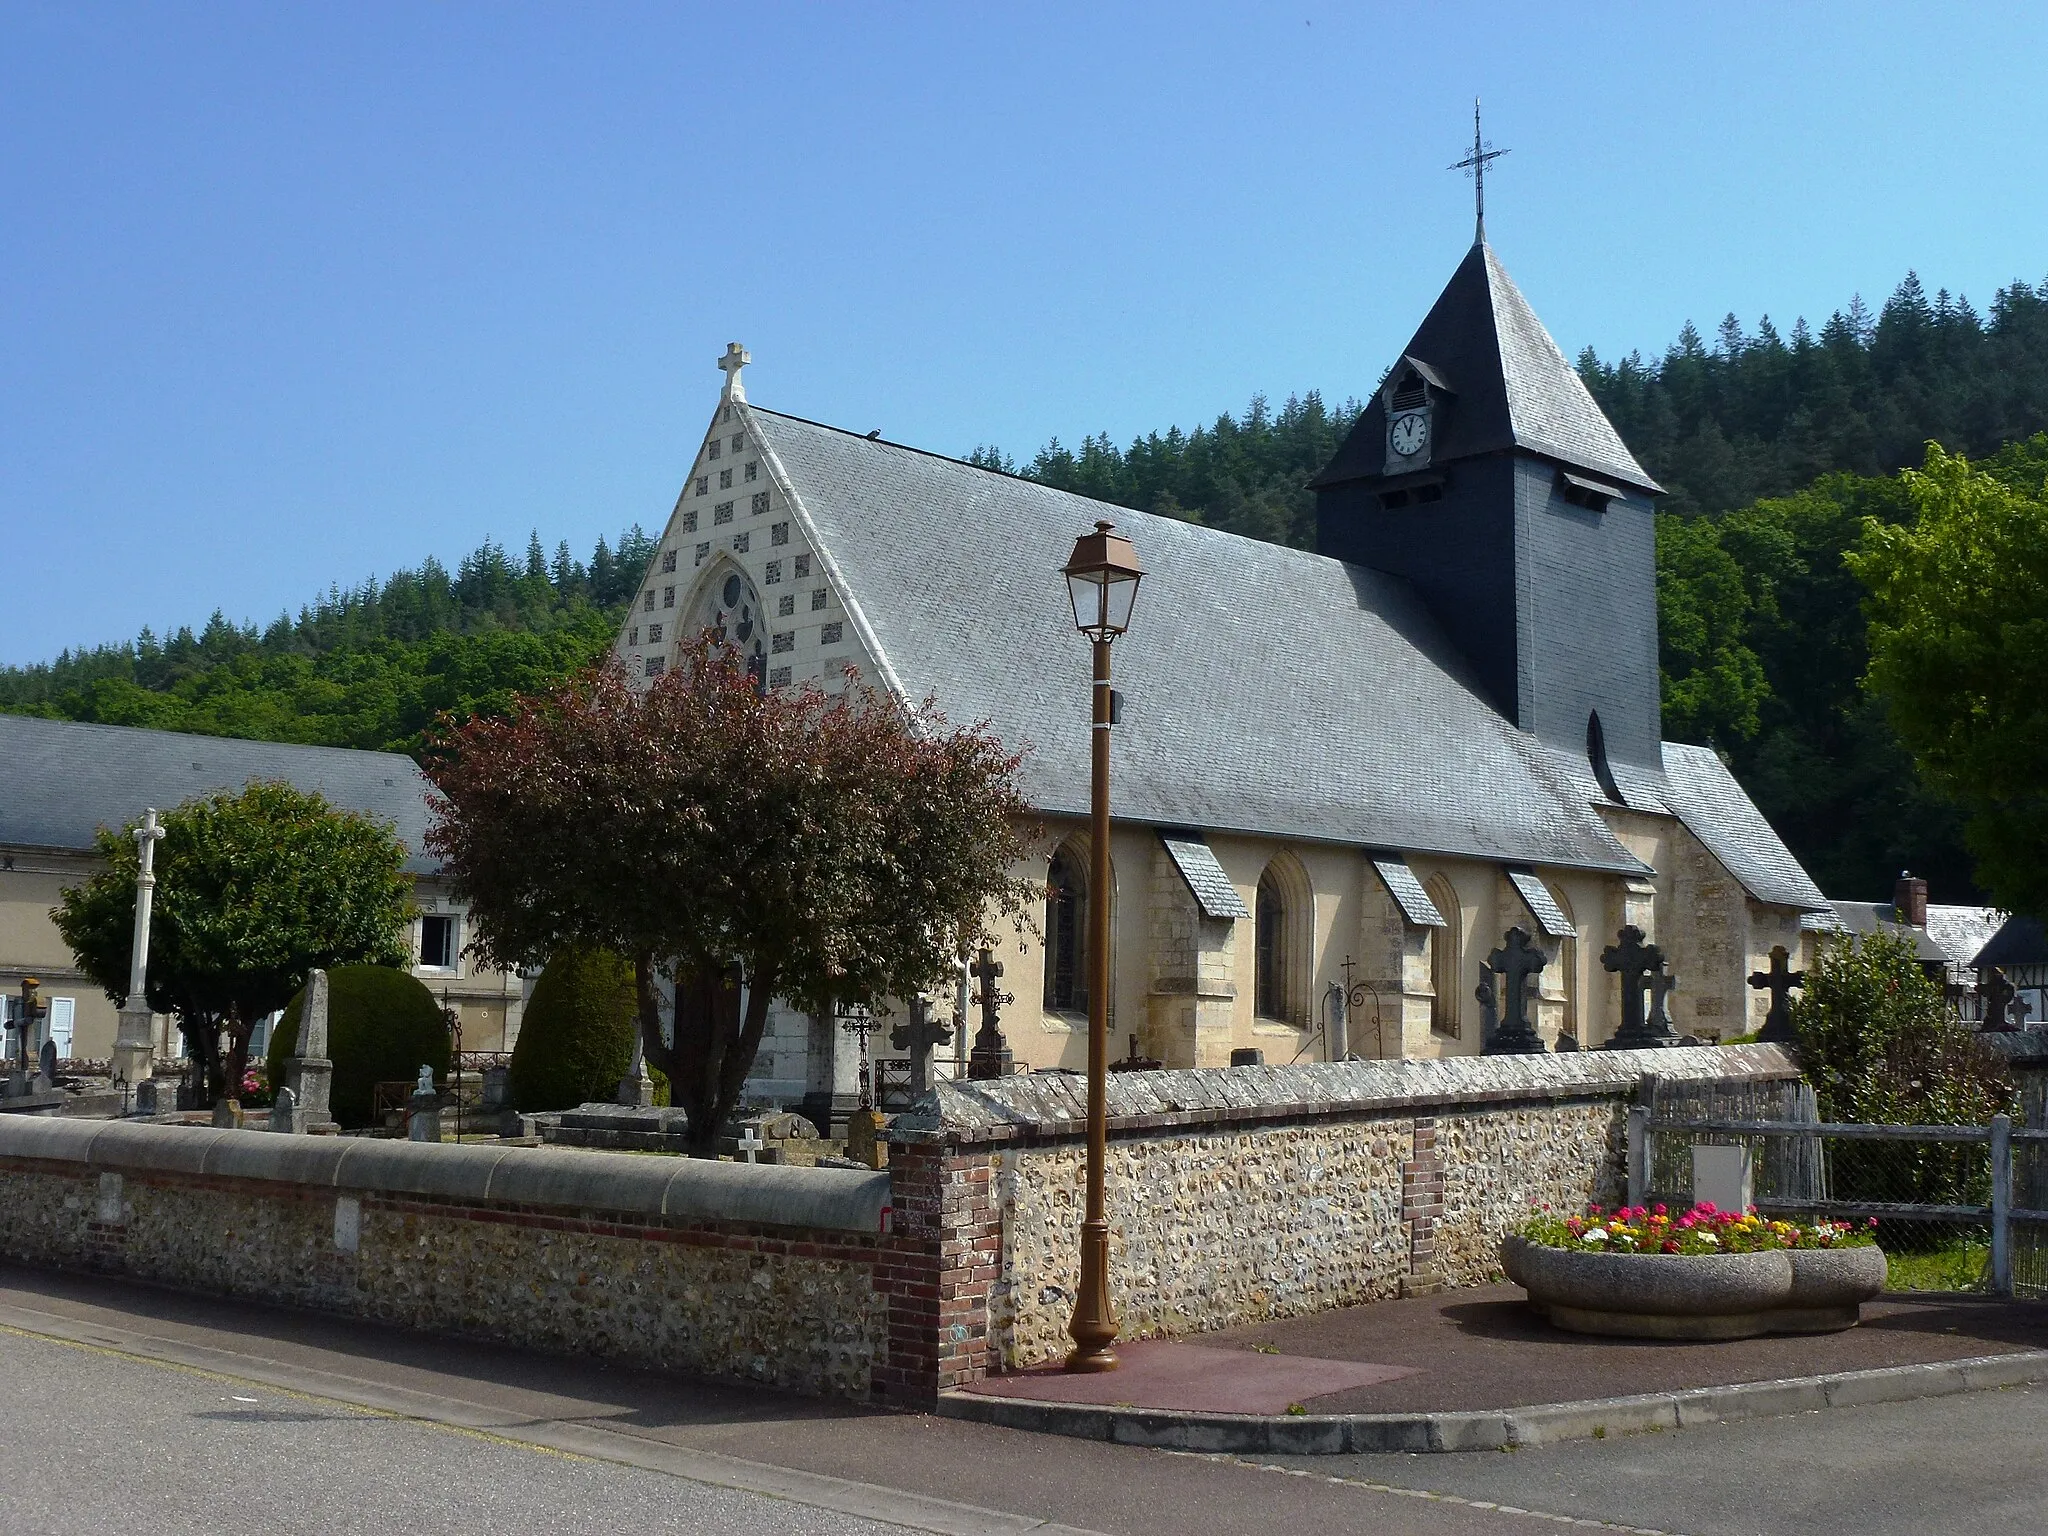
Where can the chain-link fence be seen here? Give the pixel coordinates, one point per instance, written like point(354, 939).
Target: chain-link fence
point(1958, 1207)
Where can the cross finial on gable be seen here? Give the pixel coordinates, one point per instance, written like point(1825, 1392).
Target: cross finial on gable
point(1474, 165)
point(736, 357)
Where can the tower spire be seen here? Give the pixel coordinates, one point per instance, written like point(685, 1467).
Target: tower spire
point(1474, 165)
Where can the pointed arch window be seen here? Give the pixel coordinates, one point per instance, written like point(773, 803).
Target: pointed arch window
point(1066, 934)
point(1444, 948)
point(1271, 971)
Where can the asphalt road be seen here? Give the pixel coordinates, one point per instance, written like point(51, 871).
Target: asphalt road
point(125, 1408)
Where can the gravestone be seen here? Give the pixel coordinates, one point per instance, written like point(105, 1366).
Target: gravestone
point(1998, 994)
point(307, 1071)
point(1489, 1005)
point(919, 1036)
point(750, 1142)
point(497, 1090)
point(1518, 961)
point(227, 1115)
point(46, 1067)
point(1779, 981)
point(991, 1056)
point(1723, 1176)
point(864, 1144)
point(1635, 962)
point(636, 1088)
point(424, 1123)
point(284, 1112)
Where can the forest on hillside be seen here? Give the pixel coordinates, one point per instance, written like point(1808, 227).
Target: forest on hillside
point(1773, 446)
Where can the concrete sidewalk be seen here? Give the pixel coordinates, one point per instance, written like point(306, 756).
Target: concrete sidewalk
point(1478, 1370)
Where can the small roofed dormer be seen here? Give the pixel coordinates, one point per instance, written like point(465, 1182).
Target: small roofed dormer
point(1412, 399)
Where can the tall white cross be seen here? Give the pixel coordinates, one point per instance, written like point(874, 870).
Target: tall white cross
point(750, 1142)
point(736, 357)
point(1475, 165)
point(146, 838)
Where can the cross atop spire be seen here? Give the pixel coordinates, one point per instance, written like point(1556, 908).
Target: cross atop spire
point(736, 357)
point(1474, 165)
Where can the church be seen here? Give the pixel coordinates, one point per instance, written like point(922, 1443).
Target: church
point(1340, 777)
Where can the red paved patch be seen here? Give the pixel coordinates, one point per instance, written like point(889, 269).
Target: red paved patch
point(1195, 1378)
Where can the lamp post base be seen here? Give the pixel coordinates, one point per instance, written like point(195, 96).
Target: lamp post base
point(1093, 1329)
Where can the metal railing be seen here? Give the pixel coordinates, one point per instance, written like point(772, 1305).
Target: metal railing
point(1959, 1207)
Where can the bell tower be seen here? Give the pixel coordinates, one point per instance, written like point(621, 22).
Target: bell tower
point(1483, 472)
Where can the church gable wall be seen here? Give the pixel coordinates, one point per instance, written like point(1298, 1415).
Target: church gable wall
point(734, 508)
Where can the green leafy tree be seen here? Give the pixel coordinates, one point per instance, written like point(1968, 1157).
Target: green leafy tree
point(383, 1025)
point(1959, 652)
point(1880, 1044)
point(254, 890)
point(824, 849)
point(1881, 1047)
point(576, 1034)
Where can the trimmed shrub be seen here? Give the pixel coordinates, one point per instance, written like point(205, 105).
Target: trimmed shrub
point(576, 1039)
point(382, 1026)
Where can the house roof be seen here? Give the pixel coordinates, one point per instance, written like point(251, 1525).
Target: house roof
point(2021, 941)
point(64, 780)
point(1962, 931)
point(1879, 917)
point(1700, 791)
point(1269, 690)
point(1508, 385)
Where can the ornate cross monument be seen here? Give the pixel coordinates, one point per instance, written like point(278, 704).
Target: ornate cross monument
point(1779, 981)
point(1638, 964)
point(860, 1023)
point(135, 1033)
point(919, 1036)
point(1518, 961)
point(1474, 165)
point(991, 1056)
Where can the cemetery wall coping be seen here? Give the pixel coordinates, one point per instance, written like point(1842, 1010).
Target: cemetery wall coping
point(1049, 1105)
point(680, 1189)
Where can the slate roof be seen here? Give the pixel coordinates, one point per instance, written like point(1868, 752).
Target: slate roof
point(1268, 690)
point(2022, 941)
point(1409, 894)
point(1541, 904)
point(1702, 793)
point(1864, 917)
point(1212, 889)
point(1510, 387)
point(63, 780)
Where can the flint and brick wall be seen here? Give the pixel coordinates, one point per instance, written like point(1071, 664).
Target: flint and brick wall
point(1233, 1196)
point(774, 1275)
point(1267, 1192)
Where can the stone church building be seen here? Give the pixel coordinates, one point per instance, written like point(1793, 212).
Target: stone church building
point(1351, 769)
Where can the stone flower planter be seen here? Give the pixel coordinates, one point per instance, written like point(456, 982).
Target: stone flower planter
point(1711, 1296)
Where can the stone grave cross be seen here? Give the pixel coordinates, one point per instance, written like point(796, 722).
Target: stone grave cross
point(750, 1142)
point(1518, 960)
point(991, 1056)
point(919, 1036)
point(1998, 996)
point(1779, 981)
point(1635, 962)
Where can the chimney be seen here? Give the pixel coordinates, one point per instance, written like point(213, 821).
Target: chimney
point(1909, 900)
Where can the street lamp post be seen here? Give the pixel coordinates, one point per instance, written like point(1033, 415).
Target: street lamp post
point(1102, 583)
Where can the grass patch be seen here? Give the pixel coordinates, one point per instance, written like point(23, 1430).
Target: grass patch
point(1959, 1267)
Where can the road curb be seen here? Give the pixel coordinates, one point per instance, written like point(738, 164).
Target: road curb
point(1494, 1429)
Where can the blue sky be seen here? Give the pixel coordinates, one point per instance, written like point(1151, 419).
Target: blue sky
point(292, 294)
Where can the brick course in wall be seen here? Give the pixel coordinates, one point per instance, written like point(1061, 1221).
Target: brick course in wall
point(1233, 1196)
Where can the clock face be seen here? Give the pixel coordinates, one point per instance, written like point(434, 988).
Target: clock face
point(1409, 434)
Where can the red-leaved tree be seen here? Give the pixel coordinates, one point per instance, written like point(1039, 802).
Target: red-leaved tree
point(828, 849)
